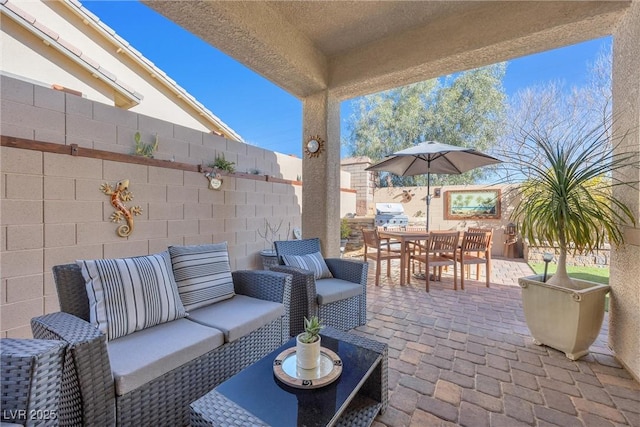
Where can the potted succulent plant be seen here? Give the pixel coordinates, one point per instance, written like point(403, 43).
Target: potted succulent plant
point(566, 200)
point(308, 344)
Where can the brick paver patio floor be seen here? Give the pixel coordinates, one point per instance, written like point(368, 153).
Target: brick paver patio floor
point(466, 358)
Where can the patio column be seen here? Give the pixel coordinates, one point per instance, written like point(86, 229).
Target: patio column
point(321, 173)
point(624, 313)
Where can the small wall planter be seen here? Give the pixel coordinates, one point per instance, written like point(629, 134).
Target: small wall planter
point(568, 320)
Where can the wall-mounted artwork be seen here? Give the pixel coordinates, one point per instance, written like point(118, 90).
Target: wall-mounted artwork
point(118, 194)
point(477, 204)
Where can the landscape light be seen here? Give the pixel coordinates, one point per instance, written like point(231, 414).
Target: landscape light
point(547, 258)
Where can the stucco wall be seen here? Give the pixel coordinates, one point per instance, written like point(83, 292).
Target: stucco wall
point(31, 58)
point(52, 211)
point(624, 328)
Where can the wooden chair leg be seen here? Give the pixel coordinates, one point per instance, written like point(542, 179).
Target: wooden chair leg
point(488, 270)
point(455, 276)
point(378, 272)
point(427, 276)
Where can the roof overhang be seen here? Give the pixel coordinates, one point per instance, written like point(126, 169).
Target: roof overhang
point(357, 47)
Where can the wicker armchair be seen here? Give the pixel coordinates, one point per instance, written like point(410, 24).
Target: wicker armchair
point(343, 314)
point(89, 397)
point(31, 381)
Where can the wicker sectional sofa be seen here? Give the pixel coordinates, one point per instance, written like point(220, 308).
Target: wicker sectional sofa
point(150, 376)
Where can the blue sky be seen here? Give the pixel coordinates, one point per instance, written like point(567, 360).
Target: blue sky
point(261, 112)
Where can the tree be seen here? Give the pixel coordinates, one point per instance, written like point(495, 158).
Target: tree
point(549, 109)
point(559, 148)
point(465, 109)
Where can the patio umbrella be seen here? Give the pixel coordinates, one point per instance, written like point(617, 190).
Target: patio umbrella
point(433, 157)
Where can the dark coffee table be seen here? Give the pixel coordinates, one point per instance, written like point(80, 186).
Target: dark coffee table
point(256, 397)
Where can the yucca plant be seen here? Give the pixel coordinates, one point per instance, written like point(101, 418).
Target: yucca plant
point(567, 195)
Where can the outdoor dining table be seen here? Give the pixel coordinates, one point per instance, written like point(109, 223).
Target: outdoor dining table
point(403, 237)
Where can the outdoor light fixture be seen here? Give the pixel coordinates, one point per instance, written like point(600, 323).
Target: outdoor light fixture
point(547, 258)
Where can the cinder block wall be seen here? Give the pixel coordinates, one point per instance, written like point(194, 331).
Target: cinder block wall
point(52, 210)
point(362, 181)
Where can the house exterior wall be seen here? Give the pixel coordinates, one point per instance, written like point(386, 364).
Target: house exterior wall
point(53, 212)
point(27, 56)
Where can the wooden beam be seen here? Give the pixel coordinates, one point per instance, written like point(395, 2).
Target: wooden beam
point(75, 150)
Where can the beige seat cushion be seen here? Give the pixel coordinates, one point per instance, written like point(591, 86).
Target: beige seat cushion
point(238, 316)
point(332, 290)
point(150, 353)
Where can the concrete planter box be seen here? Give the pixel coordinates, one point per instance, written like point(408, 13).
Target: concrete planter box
point(568, 320)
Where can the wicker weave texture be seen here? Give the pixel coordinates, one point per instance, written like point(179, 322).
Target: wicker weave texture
point(214, 406)
point(356, 272)
point(88, 389)
point(359, 414)
point(165, 400)
point(31, 373)
point(303, 300)
point(71, 289)
point(87, 396)
point(297, 247)
point(343, 314)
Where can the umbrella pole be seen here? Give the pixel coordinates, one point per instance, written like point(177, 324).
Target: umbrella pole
point(428, 196)
point(428, 276)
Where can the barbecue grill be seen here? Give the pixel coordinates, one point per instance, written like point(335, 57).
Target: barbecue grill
point(390, 215)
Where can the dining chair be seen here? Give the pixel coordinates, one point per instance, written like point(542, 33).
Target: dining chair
point(476, 249)
point(379, 250)
point(394, 244)
point(481, 253)
point(439, 251)
point(412, 246)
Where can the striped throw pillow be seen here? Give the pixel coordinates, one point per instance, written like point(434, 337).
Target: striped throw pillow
point(313, 262)
point(203, 274)
point(130, 294)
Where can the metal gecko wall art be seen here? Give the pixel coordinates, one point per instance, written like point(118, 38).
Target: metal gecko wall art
point(406, 195)
point(118, 195)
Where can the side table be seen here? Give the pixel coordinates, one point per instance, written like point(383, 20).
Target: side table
point(255, 397)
